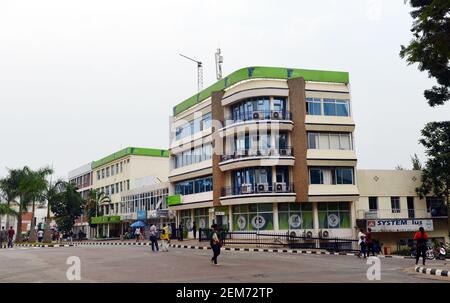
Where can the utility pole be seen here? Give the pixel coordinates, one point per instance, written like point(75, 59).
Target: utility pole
point(199, 72)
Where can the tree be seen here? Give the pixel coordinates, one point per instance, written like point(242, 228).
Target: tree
point(436, 172)
point(10, 189)
point(67, 206)
point(416, 165)
point(430, 47)
point(6, 210)
point(399, 167)
point(94, 201)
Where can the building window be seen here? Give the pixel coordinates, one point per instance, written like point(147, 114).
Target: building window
point(192, 156)
point(373, 203)
point(253, 217)
point(336, 141)
point(327, 107)
point(107, 172)
point(194, 186)
point(112, 170)
point(103, 173)
point(128, 184)
point(98, 175)
point(334, 214)
point(185, 218)
point(193, 127)
point(121, 167)
point(112, 189)
point(313, 106)
point(201, 217)
point(395, 205)
point(295, 216)
point(331, 176)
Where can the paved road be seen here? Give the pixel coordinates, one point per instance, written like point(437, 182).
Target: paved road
point(139, 264)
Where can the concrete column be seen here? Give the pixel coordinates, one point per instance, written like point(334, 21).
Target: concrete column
point(353, 218)
point(315, 216)
point(217, 115)
point(299, 142)
point(230, 216)
point(276, 226)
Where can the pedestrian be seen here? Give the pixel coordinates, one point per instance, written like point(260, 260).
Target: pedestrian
point(421, 239)
point(180, 232)
point(215, 244)
point(80, 235)
point(58, 236)
point(369, 242)
point(194, 229)
point(3, 236)
point(153, 238)
point(40, 235)
point(169, 229)
point(11, 234)
point(165, 237)
point(137, 234)
point(361, 243)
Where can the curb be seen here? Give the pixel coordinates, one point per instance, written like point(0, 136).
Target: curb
point(44, 245)
point(432, 271)
point(289, 251)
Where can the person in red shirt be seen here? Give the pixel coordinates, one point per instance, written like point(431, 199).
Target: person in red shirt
point(421, 239)
point(369, 242)
point(11, 234)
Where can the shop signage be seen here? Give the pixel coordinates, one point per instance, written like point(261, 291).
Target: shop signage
point(295, 221)
point(333, 220)
point(258, 221)
point(141, 215)
point(220, 213)
point(202, 223)
point(399, 225)
point(174, 200)
point(162, 213)
point(105, 219)
point(152, 214)
point(241, 222)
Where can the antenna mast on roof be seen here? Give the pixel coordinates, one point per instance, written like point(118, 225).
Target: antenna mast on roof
point(199, 72)
point(219, 61)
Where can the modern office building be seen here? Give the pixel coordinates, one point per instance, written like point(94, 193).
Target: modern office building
point(135, 180)
point(122, 171)
point(268, 149)
point(390, 206)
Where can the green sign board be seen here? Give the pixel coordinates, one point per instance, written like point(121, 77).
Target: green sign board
point(174, 200)
point(105, 219)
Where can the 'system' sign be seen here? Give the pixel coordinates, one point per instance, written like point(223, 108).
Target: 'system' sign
point(399, 225)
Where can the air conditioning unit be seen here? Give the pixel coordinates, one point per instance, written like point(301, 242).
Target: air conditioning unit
point(293, 233)
point(262, 187)
point(280, 187)
point(283, 152)
point(276, 115)
point(246, 188)
point(309, 234)
point(256, 115)
point(325, 234)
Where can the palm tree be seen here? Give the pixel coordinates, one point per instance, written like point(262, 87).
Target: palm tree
point(9, 186)
point(6, 210)
point(94, 201)
point(32, 185)
point(51, 196)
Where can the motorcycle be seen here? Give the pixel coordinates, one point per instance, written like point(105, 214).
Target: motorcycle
point(430, 254)
point(439, 253)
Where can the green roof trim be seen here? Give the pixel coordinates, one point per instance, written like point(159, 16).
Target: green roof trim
point(262, 72)
point(137, 151)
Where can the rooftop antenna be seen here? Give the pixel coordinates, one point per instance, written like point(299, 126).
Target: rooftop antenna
point(199, 72)
point(219, 61)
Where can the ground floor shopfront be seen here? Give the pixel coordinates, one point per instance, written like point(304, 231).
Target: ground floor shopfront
point(301, 218)
point(395, 238)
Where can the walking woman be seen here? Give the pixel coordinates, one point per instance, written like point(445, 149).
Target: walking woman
point(421, 239)
point(215, 244)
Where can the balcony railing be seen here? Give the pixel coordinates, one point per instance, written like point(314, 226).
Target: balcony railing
point(402, 213)
point(245, 153)
point(259, 188)
point(259, 115)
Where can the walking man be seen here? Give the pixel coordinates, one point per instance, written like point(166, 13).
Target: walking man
point(3, 236)
point(215, 244)
point(194, 229)
point(165, 237)
point(153, 238)
point(421, 239)
point(180, 231)
point(11, 234)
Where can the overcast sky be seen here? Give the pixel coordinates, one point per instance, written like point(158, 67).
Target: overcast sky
point(82, 79)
